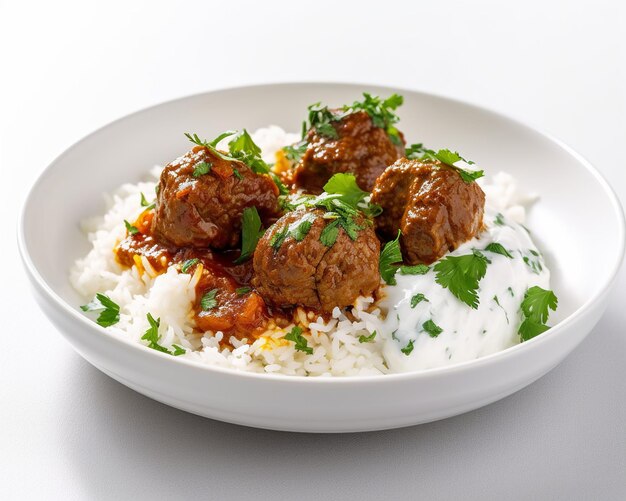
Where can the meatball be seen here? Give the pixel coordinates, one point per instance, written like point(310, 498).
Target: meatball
point(306, 272)
point(201, 198)
point(431, 204)
point(360, 148)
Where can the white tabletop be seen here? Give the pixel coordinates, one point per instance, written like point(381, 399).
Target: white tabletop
point(68, 431)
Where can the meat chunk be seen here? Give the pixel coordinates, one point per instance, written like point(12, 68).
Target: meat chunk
point(307, 272)
point(431, 204)
point(201, 197)
point(360, 148)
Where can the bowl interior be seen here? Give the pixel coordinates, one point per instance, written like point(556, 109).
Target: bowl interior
point(577, 222)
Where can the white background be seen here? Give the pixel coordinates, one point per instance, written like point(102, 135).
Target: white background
point(67, 431)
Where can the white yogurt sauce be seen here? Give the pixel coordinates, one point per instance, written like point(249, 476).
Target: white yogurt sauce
point(467, 333)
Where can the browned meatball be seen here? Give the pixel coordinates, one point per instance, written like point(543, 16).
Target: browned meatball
point(360, 148)
point(201, 198)
point(311, 274)
point(432, 205)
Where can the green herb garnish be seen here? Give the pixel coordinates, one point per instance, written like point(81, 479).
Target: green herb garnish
point(295, 152)
point(145, 203)
point(209, 301)
point(188, 264)
point(251, 232)
point(417, 298)
point(367, 339)
point(153, 337)
point(381, 111)
point(132, 230)
point(498, 249)
point(432, 328)
point(243, 290)
point(499, 220)
point(533, 261)
point(418, 269)
point(536, 307)
point(109, 311)
point(296, 336)
point(202, 168)
point(237, 174)
point(461, 275)
point(320, 118)
point(389, 257)
point(418, 152)
point(408, 348)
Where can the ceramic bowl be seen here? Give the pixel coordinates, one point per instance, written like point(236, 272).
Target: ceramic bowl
point(577, 222)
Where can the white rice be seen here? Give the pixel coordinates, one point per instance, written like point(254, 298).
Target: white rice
point(337, 350)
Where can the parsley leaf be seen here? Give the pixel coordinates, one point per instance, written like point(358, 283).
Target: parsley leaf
point(408, 348)
point(295, 152)
point(243, 290)
point(537, 302)
point(418, 298)
point(188, 264)
point(152, 336)
point(533, 261)
point(237, 174)
point(461, 275)
point(243, 148)
point(300, 228)
point(367, 339)
point(202, 168)
point(145, 203)
point(498, 249)
point(418, 269)
point(345, 185)
point(418, 152)
point(330, 233)
point(279, 237)
point(536, 307)
point(390, 255)
point(296, 336)
point(110, 311)
point(208, 301)
point(251, 232)
point(132, 230)
point(432, 328)
point(320, 118)
point(381, 112)
point(499, 220)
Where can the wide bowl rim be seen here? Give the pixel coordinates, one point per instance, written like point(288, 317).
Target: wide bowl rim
point(558, 329)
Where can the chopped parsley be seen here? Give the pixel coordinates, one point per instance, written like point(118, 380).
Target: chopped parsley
point(279, 237)
point(497, 301)
point(499, 220)
point(408, 348)
point(202, 168)
point(432, 328)
point(243, 290)
point(295, 152)
point(188, 264)
point(418, 152)
point(145, 203)
point(109, 311)
point(320, 118)
point(533, 261)
point(381, 112)
point(240, 148)
point(295, 335)
point(498, 249)
point(342, 214)
point(417, 299)
point(152, 336)
point(345, 185)
point(209, 301)
point(237, 174)
point(461, 275)
point(389, 256)
point(132, 230)
point(418, 269)
point(367, 339)
point(536, 307)
point(251, 232)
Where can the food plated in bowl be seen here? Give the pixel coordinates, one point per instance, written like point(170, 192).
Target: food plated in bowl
point(313, 308)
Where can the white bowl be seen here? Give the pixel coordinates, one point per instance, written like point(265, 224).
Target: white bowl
point(578, 223)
